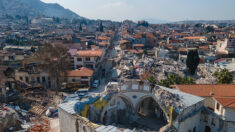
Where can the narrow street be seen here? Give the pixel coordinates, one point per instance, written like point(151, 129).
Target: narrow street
point(108, 65)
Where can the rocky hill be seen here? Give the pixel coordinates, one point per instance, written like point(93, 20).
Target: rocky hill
point(34, 8)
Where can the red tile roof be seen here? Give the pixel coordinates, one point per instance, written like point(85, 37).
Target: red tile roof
point(138, 45)
point(136, 51)
point(195, 37)
point(90, 53)
point(226, 101)
point(182, 50)
point(209, 90)
point(124, 41)
point(103, 38)
point(103, 43)
point(83, 72)
point(204, 47)
point(219, 60)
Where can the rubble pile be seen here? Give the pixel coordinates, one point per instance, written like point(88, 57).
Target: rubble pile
point(132, 65)
point(9, 119)
point(205, 74)
point(167, 99)
point(40, 125)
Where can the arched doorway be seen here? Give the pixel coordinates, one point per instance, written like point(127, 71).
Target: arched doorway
point(121, 114)
point(150, 115)
point(125, 110)
point(207, 129)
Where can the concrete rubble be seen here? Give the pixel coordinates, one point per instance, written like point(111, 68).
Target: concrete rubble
point(167, 99)
point(133, 66)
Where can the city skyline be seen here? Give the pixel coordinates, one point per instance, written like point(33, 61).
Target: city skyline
point(166, 10)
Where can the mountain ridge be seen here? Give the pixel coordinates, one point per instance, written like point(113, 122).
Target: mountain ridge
point(35, 8)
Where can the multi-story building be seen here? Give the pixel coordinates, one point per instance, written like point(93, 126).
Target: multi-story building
point(80, 76)
point(88, 58)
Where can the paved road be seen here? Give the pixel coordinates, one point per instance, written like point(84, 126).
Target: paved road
point(108, 64)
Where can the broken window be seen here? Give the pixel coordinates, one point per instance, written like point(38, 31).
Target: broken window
point(213, 121)
point(79, 59)
point(49, 84)
point(88, 59)
point(38, 79)
point(27, 79)
point(43, 79)
point(217, 106)
point(206, 118)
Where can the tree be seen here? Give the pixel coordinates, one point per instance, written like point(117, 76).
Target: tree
point(210, 29)
point(192, 61)
point(224, 76)
point(101, 28)
point(55, 60)
point(80, 27)
point(152, 81)
point(176, 79)
point(198, 25)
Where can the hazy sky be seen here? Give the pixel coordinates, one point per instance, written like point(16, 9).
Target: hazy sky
point(170, 10)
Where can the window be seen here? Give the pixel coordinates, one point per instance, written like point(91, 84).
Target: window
point(49, 78)
point(189, 130)
point(217, 106)
point(213, 121)
point(38, 79)
point(79, 59)
point(43, 79)
point(27, 79)
point(73, 80)
point(84, 77)
point(49, 84)
point(205, 118)
point(21, 78)
point(88, 59)
point(194, 129)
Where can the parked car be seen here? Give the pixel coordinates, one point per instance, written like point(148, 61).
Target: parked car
point(96, 84)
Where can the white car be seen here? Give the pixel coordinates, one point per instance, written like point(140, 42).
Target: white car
point(95, 84)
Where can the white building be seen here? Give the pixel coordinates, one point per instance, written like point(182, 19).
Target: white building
point(225, 108)
point(88, 58)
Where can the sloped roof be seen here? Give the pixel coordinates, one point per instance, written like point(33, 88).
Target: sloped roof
point(226, 101)
point(90, 53)
point(83, 72)
point(209, 90)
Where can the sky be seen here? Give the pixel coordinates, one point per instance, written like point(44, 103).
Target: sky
point(169, 10)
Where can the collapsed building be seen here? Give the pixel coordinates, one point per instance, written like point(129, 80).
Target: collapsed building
point(132, 66)
point(133, 105)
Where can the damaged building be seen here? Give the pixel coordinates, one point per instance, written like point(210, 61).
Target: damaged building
point(133, 105)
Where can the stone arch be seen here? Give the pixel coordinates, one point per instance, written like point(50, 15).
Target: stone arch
point(124, 98)
point(127, 101)
point(154, 99)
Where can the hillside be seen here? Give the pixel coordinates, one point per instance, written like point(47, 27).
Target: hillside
point(34, 8)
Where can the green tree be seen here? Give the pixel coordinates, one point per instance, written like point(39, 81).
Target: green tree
point(152, 81)
point(192, 61)
point(210, 29)
point(80, 27)
point(173, 79)
point(224, 76)
point(101, 28)
point(198, 25)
